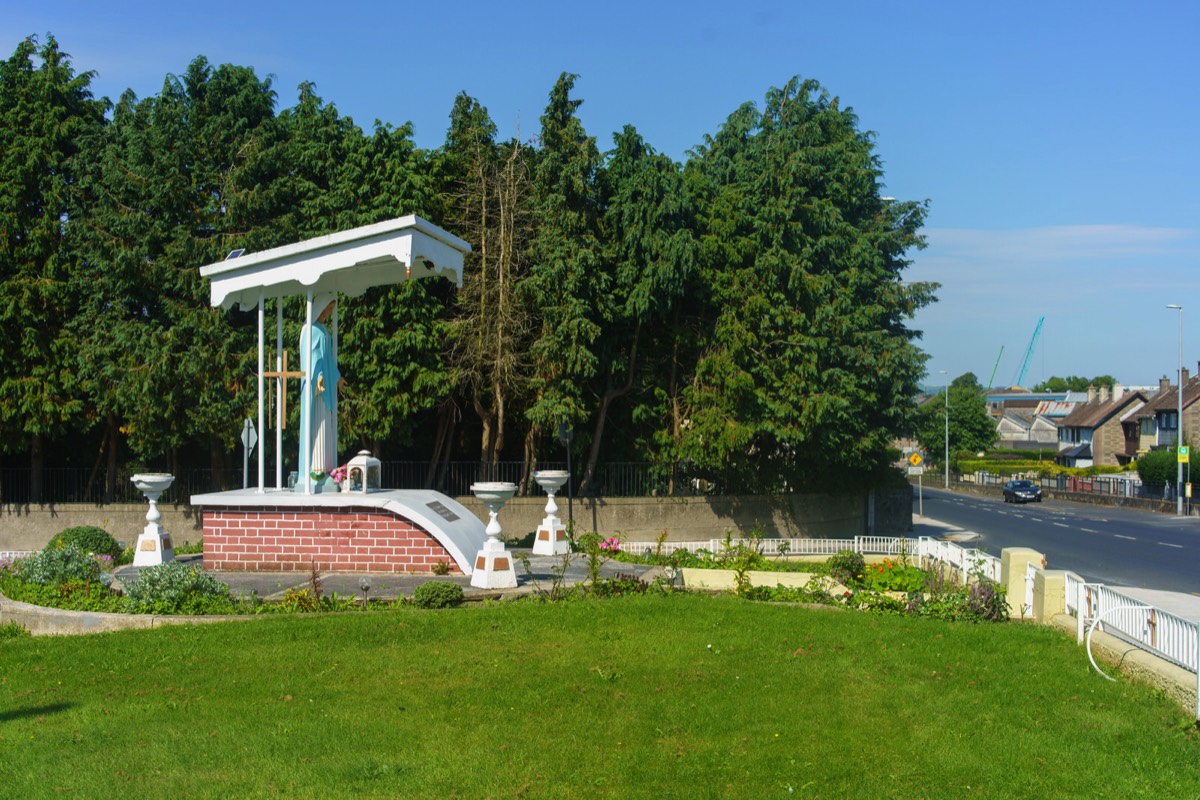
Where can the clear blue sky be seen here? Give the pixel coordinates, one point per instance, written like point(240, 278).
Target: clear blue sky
point(1055, 141)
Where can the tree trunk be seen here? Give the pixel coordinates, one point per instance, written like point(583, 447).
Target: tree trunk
point(610, 395)
point(676, 423)
point(37, 467)
point(440, 460)
point(91, 481)
point(529, 460)
point(216, 455)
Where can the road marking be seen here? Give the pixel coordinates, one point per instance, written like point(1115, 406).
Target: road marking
point(1168, 544)
point(1089, 530)
point(1062, 524)
point(1035, 519)
point(1130, 538)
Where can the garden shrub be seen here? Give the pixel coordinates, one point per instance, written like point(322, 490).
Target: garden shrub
point(72, 595)
point(986, 601)
point(621, 584)
point(894, 576)
point(306, 600)
point(437, 594)
point(813, 593)
point(89, 538)
point(1157, 468)
point(54, 566)
point(980, 601)
point(178, 588)
point(847, 567)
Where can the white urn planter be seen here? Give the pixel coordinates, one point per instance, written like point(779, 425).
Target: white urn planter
point(551, 536)
point(493, 564)
point(154, 543)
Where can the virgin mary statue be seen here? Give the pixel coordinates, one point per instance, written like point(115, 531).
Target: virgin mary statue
point(319, 388)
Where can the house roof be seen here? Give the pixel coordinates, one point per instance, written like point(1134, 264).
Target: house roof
point(1169, 399)
point(1058, 408)
point(1096, 413)
point(1078, 451)
point(1021, 418)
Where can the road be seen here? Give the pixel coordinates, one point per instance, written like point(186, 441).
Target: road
point(1109, 545)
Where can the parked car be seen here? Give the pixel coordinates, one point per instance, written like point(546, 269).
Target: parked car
point(1022, 492)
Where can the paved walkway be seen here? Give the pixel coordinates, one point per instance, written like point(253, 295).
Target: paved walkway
point(1179, 603)
point(273, 585)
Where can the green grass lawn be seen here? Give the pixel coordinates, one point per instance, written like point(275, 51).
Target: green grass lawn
point(683, 696)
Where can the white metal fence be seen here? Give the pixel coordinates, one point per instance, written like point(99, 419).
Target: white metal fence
point(1162, 633)
point(968, 561)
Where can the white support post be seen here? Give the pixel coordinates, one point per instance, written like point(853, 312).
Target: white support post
point(337, 434)
point(306, 401)
point(1080, 606)
point(262, 461)
point(280, 388)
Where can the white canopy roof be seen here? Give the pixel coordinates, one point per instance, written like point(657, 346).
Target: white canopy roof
point(349, 263)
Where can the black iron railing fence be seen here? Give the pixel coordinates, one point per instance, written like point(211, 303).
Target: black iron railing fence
point(1114, 486)
point(620, 479)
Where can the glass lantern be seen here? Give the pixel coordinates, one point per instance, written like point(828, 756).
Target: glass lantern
point(362, 473)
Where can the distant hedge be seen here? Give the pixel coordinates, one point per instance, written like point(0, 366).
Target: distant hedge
point(1043, 469)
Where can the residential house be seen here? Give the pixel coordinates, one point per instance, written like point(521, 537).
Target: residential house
point(1104, 431)
point(1029, 420)
point(1025, 429)
point(1159, 419)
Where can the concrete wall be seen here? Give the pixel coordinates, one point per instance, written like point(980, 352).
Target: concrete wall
point(42, 621)
point(683, 518)
point(24, 527)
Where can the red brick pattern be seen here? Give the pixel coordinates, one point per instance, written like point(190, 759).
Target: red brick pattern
point(286, 539)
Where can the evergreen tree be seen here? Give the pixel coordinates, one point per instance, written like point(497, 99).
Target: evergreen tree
point(179, 179)
point(393, 351)
point(806, 373)
point(47, 113)
point(567, 281)
point(651, 252)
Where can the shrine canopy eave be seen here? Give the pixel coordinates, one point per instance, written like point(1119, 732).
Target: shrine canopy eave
point(349, 263)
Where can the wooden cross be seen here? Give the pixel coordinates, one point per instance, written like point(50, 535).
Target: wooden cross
point(284, 375)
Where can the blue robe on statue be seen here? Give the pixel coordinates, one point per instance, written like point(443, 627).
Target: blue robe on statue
point(319, 390)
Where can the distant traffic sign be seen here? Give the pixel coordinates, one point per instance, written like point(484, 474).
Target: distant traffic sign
point(1183, 455)
point(915, 459)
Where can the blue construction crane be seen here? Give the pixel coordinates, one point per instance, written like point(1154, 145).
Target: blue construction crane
point(1029, 353)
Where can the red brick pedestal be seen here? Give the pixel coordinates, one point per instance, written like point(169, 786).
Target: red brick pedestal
point(396, 532)
point(285, 539)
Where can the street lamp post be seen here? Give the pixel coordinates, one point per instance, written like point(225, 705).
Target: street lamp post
point(1179, 418)
point(946, 466)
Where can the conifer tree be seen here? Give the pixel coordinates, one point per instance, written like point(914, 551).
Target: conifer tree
point(651, 252)
point(806, 374)
point(47, 113)
point(180, 179)
point(567, 282)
